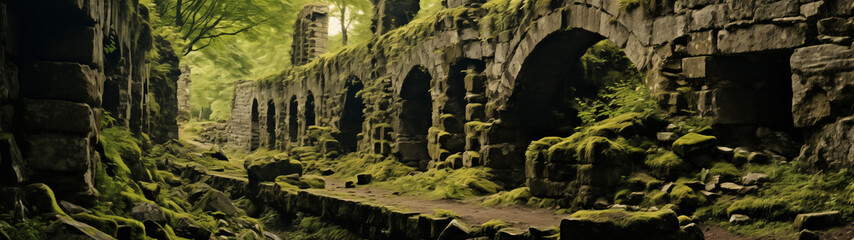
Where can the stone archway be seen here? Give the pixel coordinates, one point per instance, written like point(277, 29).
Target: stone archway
point(414, 118)
point(293, 120)
point(352, 117)
point(310, 116)
point(271, 124)
point(255, 140)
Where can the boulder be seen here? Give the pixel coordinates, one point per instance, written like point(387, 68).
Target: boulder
point(267, 169)
point(327, 172)
point(754, 178)
point(817, 221)
point(40, 200)
point(693, 143)
point(748, 190)
point(71, 208)
point(147, 212)
point(363, 179)
point(216, 201)
point(456, 230)
point(67, 228)
point(757, 157)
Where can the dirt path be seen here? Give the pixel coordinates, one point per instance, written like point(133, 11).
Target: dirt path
point(470, 212)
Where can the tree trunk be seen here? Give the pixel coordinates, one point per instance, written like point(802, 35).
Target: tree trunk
point(343, 25)
point(179, 21)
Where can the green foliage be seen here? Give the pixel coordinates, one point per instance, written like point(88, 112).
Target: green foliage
point(624, 219)
point(30, 229)
point(623, 89)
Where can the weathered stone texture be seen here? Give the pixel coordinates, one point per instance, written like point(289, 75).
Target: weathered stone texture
point(310, 32)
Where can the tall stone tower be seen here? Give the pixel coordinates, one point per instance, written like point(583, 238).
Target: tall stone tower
point(310, 34)
point(391, 14)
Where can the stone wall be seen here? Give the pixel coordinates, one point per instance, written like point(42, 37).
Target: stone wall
point(310, 32)
point(53, 93)
point(184, 83)
point(728, 61)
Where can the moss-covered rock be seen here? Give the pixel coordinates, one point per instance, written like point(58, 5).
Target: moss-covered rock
point(268, 168)
point(686, 198)
point(41, 201)
point(106, 225)
point(666, 164)
point(216, 201)
point(694, 143)
point(620, 224)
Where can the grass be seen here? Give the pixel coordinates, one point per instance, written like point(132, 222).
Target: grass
point(446, 183)
point(442, 213)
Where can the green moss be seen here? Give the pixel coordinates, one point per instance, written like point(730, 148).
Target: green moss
point(656, 198)
point(519, 196)
point(767, 208)
point(686, 198)
point(489, 228)
point(666, 164)
point(691, 142)
point(446, 183)
point(444, 213)
point(136, 227)
point(288, 182)
point(725, 170)
point(106, 225)
point(621, 196)
point(684, 220)
point(624, 219)
point(644, 182)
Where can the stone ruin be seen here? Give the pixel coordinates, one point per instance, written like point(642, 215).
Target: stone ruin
point(483, 92)
point(310, 32)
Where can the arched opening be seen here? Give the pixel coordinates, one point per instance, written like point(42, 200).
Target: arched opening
point(309, 111)
point(352, 117)
point(293, 123)
point(549, 81)
point(271, 125)
point(256, 131)
point(414, 118)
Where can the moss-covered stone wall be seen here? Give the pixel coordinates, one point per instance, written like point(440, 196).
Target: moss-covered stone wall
point(727, 61)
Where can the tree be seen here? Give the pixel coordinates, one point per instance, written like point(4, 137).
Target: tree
point(201, 22)
point(349, 12)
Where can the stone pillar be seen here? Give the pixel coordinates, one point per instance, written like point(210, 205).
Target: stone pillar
point(310, 34)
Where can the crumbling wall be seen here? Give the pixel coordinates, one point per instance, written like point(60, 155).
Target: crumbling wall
point(310, 34)
point(726, 61)
point(184, 83)
point(54, 93)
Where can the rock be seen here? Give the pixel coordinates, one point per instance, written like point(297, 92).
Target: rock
point(40, 200)
point(696, 185)
point(187, 228)
point(147, 212)
point(150, 190)
point(363, 179)
point(693, 143)
point(224, 232)
point(349, 184)
point(691, 232)
point(267, 169)
point(271, 236)
point(511, 234)
point(807, 235)
point(216, 153)
point(456, 230)
point(635, 198)
point(762, 37)
point(725, 152)
point(543, 233)
point(327, 172)
point(709, 194)
point(729, 187)
point(619, 224)
point(817, 221)
point(215, 201)
point(748, 190)
point(665, 137)
point(739, 219)
point(51, 115)
point(757, 157)
point(67, 228)
point(666, 188)
point(72, 209)
point(754, 178)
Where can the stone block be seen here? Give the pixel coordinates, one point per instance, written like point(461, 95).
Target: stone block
point(712, 16)
point(697, 67)
point(475, 83)
point(740, 9)
point(475, 112)
point(62, 81)
point(471, 159)
point(63, 116)
point(10, 156)
point(696, 3)
point(702, 43)
point(770, 9)
point(668, 28)
point(822, 74)
point(57, 152)
point(817, 221)
point(80, 44)
point(762, 37)
point(502, 156)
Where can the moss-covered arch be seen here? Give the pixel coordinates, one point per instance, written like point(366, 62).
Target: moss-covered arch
point(414, 116)
point(352, 115)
